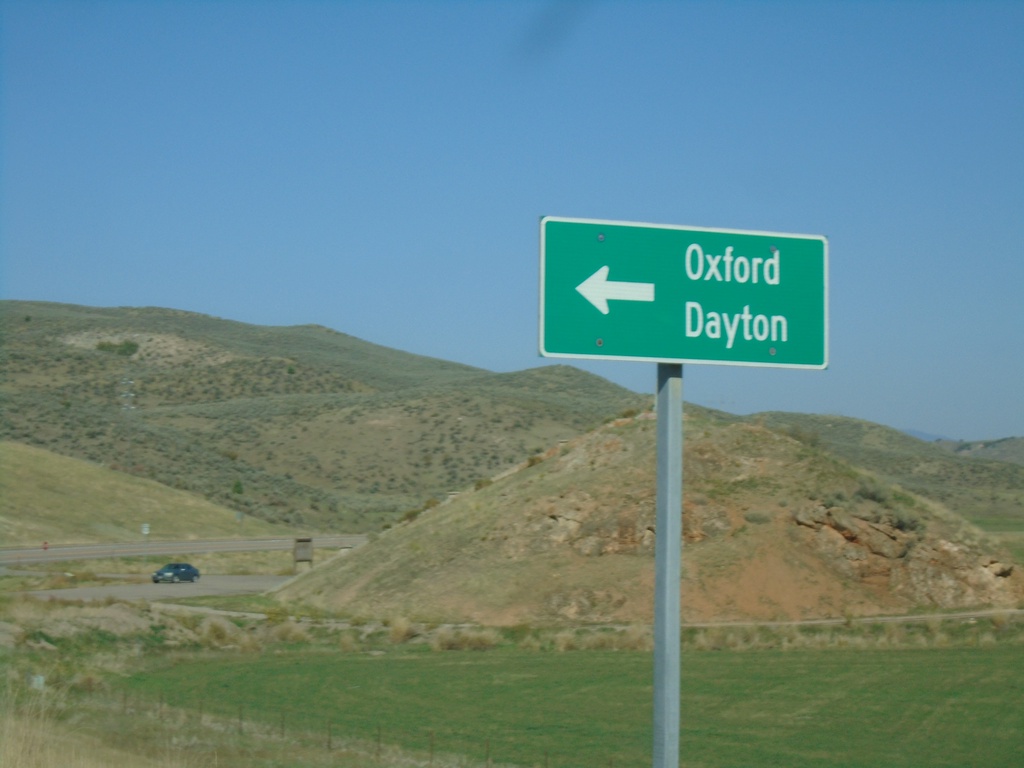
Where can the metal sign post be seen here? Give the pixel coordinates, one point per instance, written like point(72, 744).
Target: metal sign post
point(619, 290)
point(667, 556)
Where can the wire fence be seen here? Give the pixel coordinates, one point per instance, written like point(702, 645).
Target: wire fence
point(381, 745)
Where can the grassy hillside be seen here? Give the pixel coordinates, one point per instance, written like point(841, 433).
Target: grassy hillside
point(301, 425)
point(774, 529)
point(1004, 449)
point(988, 492)
point(48, 497)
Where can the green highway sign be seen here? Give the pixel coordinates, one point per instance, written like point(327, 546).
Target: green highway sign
point(618, 290)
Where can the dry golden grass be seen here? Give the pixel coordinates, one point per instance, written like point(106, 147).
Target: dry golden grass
point(465, 639)
point(219, 632)
point(288, 632)
point(36, 732)
point(48, 497)
point(31, 736)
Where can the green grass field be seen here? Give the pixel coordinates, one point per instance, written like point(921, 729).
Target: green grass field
point(843, 707)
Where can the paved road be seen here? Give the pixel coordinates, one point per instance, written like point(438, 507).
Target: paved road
point(147, 590)
point(13, 557)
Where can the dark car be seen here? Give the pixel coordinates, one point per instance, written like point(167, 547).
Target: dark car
point(176, 572)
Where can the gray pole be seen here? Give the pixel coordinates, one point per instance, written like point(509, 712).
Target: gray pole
point(668, 544)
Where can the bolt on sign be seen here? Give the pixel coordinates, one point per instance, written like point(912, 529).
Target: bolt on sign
point(626, 291)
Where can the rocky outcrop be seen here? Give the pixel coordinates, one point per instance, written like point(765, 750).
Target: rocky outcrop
point(584, 522)
point(907, 561)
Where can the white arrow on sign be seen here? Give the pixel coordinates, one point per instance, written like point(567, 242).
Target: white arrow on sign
point(598, 289)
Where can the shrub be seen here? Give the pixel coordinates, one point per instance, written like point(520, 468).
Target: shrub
point(218, 632)
point(835, 498)
point(87, 682)
point(530, 643)
point(872, 490)
point(290, 632)
point(566, 641)
point(125, 348)
point(449, 639)
point(638, 638)
point(400, 629)
point(758, 518)
point(443, 640)
point(905, 520)
point(808, 437)
point(903, 498)
point(633, 638)
point(1000, 622)
point(479, 639)
point(189, 621)
point(348, 642)
point(411, 515)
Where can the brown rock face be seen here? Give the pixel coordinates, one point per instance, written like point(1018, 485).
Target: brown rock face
point(911, 565)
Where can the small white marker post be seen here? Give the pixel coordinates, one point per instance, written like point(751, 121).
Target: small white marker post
point(668, 544)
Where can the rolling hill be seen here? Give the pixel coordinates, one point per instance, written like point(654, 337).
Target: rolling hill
point(48, 497)
point(975, 483)
point(298, 425)
point(775, 527)
point(1003, 449)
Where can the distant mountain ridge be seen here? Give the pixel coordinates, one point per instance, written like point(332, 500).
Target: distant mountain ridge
point(924, 436)
point(1003, 449)
point(974, 483)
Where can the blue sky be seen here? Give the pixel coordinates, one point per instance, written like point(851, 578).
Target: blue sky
point(380, 168)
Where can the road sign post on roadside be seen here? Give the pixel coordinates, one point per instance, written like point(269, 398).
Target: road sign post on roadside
point(672, 295)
